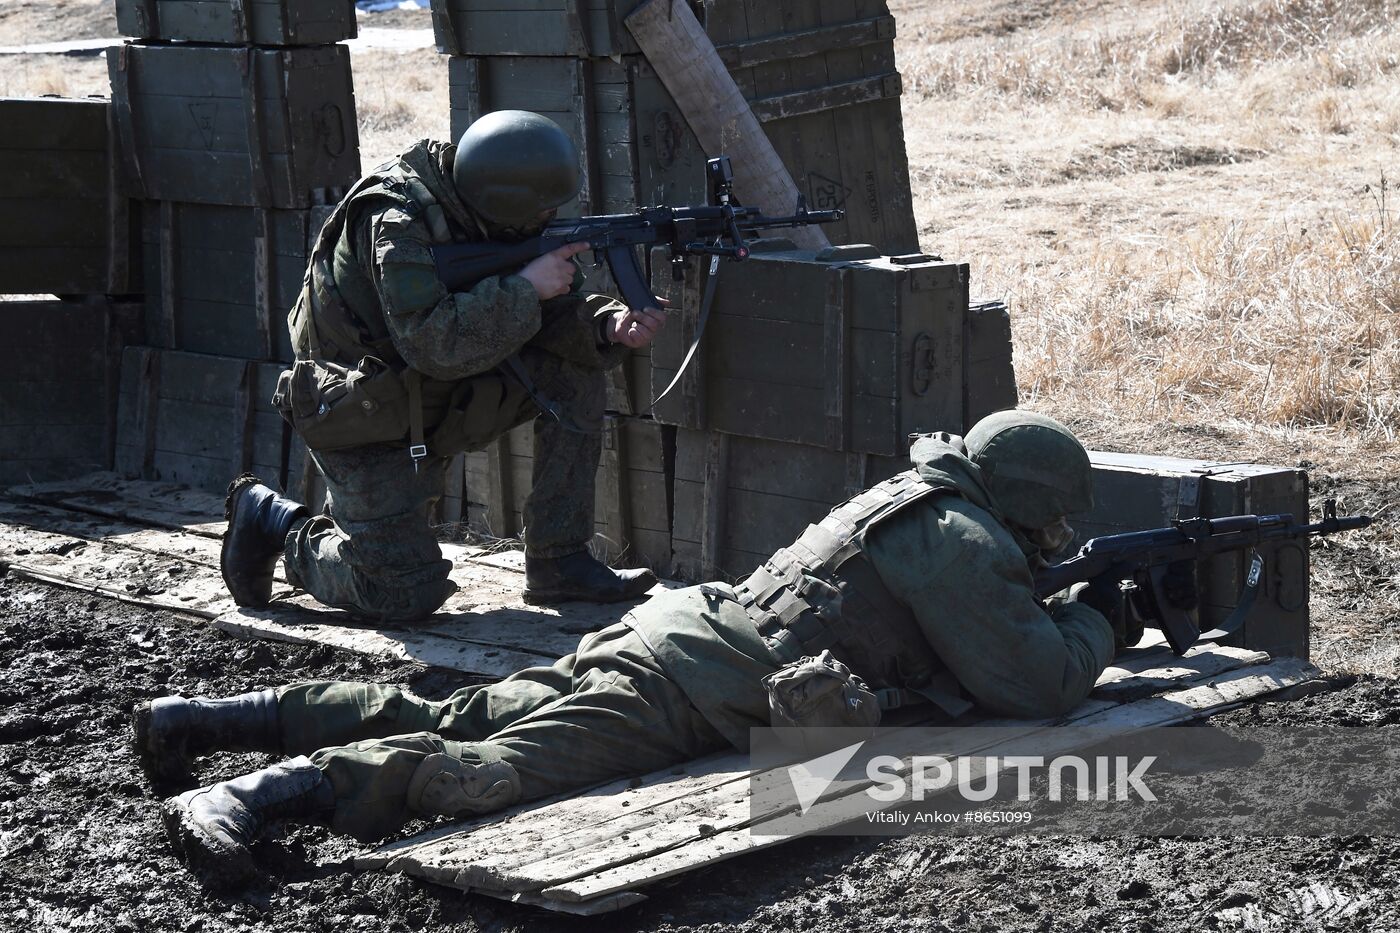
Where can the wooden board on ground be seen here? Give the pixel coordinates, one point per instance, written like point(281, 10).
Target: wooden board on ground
point(584, 851)
point(157, 544)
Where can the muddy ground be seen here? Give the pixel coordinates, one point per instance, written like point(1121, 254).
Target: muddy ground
point(81, 846)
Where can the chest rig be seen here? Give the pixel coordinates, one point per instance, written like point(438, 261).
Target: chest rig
point(821, 593)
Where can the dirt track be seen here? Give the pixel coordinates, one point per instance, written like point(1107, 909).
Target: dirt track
point(81, 846)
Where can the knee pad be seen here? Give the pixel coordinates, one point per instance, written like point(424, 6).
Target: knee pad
point(446, 786)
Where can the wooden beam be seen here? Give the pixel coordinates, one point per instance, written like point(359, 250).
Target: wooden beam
point(678, 49)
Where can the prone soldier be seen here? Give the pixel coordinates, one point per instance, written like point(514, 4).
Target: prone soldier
point(395, 374)
point(919, 589)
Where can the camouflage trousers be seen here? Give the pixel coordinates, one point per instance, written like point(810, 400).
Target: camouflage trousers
point(604, 712)
point(373, 552)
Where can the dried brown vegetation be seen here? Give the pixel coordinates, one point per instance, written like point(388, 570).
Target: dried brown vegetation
point(1189, 205)
point(1187, 202)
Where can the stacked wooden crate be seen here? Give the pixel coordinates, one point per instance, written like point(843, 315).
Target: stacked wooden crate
point(821, 78)
point(813, 373)
point(66, 229)
point(1135, 491)
point(66, 225)
point(237, 130)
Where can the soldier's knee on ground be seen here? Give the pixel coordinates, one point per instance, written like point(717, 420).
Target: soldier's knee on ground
point(383, 601)
point(444, 785)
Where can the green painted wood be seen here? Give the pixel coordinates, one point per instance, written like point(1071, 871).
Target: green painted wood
point(639, 492)
point(988, 372)
point(190, 133)
point(495, 27)
point(55, 401)
point(1133, 492)
point(772, 490)
point(264, 22)
point(52, 270)
point(845, 354)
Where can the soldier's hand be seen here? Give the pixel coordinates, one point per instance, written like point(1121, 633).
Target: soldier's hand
point(553, 273)
point(636, 329)
point(1105, 593)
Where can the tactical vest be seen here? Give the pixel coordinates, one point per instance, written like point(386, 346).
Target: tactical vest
point(322, 322)
point(820, 592)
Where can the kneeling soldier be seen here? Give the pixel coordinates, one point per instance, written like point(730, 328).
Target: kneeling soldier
point(395, 375)
point(920, 585)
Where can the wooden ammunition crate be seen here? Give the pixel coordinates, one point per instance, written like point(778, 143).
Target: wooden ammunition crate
point(633, 492)
point(58, 386)
point(822, 82)
point(199, 420)
point(238, 22)
point(246, 127)
point(1133, 492)
point(832, 350)
point(538, 27)
point(222, 279)
point(738, 499)
point(65, 225)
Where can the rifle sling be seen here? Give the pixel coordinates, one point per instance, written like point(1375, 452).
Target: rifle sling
point(706, 301)
point(1248, 594)
point(512, 366)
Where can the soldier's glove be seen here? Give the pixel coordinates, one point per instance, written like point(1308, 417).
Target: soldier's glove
point(1105, 594)
point(812, 695)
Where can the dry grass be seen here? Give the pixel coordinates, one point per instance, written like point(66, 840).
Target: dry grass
point(400, 97)
point(38, 75)
point(1188, 205)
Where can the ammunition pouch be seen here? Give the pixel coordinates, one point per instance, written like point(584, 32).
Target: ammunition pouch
point(333, 406)
point(820, 691)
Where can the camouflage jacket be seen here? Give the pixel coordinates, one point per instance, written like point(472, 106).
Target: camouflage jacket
point(375, 249)
point(959, 570)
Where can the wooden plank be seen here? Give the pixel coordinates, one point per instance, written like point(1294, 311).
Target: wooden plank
point(180, 545)
point(49, 124)
point(162, 504)
point(813, 41)
point(262, 22)
point(1173, 708)
point(178, 571)
point(432, 648)
point(495, 853)
point(676, 46)
point(835, 97)
point(112, 570)
point(189, 121)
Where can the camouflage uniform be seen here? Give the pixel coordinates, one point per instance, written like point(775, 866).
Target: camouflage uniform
point(373, 551)
point(680, 676)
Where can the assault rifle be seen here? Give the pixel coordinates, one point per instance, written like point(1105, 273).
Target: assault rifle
point(717, 230)
point(1153, 563)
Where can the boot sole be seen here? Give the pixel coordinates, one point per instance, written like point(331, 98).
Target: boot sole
point(230, 506)
point(219, 869)
point(162, 769)
point(553, 598)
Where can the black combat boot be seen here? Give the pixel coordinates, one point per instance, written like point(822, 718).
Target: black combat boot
point(212, 828)
point(172, 731)
point(259, 519)
point(579, 576)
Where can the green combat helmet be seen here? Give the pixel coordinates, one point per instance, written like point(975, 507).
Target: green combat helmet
point(1035, 468)
point(512, 165)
